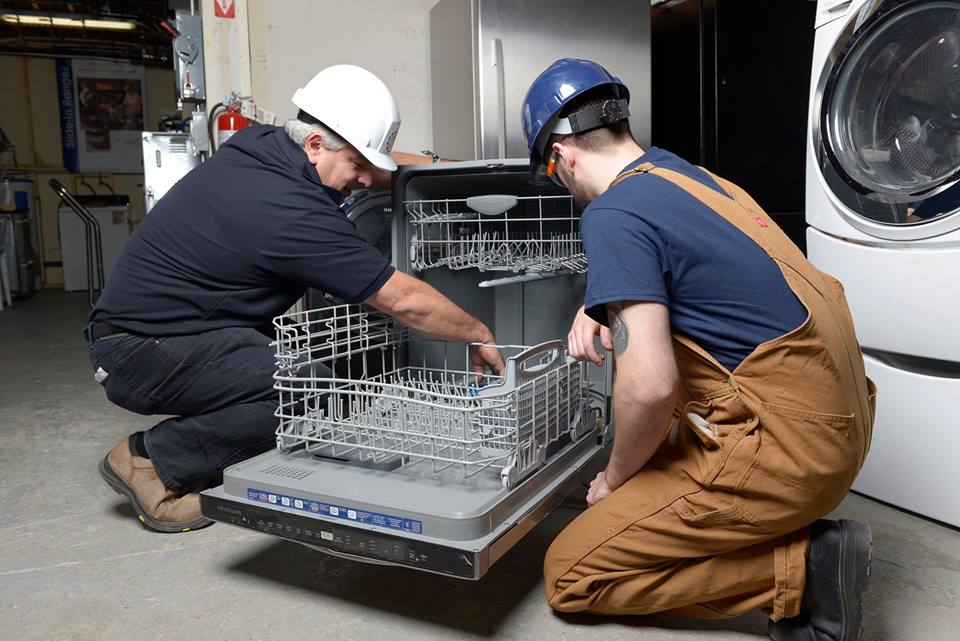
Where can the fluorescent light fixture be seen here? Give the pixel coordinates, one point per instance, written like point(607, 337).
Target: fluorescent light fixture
point(71, 23)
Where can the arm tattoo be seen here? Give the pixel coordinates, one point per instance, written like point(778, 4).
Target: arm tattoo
point(620, 335)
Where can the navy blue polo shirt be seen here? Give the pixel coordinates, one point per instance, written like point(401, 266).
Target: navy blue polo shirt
point(236, 241)
point(648, 240)
point(946, 201)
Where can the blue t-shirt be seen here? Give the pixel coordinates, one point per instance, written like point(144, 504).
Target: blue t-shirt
point(648, 240)
point(236, 241)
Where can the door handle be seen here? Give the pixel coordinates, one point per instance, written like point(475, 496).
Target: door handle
point(501, 99)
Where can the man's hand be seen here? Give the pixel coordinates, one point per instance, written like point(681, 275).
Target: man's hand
point(482, 356)
point(599, 489)
point(580, 339)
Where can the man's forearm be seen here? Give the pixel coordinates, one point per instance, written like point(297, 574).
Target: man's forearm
point(421, 307)
point(640, 424)
point(645, 386)
point(436, 316)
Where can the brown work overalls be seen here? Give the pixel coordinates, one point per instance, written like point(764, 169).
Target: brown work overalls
point(715, 524)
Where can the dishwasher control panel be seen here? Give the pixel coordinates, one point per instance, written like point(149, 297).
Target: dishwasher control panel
point(362, 544)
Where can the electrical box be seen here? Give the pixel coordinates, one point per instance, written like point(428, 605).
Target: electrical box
point(188, 58)
point(167, 157)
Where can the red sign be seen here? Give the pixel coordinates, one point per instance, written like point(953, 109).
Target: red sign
point(224, 8)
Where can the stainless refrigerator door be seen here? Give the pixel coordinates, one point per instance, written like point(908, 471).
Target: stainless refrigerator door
point(507, 43)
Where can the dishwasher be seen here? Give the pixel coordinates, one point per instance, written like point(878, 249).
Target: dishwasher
point(389, 448)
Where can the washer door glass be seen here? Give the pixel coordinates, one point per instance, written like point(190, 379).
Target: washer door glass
point(372, 213)
point(891, 114)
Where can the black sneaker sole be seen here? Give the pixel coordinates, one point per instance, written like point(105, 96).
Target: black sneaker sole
point(856, 555)
point(120, 486)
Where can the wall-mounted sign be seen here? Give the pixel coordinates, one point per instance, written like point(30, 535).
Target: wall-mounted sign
point(101, 114)
point(224, 8)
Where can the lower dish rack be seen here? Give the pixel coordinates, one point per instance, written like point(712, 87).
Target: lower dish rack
point(354, 385)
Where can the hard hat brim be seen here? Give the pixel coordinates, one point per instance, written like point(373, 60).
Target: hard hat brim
point(383, 161)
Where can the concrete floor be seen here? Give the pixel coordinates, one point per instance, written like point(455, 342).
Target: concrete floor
point(74, 564)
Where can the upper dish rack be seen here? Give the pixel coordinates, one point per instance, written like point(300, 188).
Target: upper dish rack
point(520, 234)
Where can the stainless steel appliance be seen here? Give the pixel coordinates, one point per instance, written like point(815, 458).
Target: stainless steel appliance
point(485, 53)
point(167, 157)
point(389, 449)
point(188, 58)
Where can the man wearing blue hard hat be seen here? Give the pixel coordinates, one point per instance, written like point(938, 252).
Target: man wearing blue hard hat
point(741, 406)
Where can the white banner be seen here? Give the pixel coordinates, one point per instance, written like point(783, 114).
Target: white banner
point(102, 114)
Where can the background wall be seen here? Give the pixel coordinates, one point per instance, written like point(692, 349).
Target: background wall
point(292, 40)
point(289, 42)
point(735, 100)
point(30, 116)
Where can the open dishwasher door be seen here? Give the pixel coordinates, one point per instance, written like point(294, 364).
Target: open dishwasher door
point(389, 449)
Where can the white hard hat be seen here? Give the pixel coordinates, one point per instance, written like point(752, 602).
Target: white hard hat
point(357, 106)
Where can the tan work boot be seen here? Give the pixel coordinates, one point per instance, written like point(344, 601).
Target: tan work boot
point(158, 507)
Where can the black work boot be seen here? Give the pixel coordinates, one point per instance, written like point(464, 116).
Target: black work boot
point(837, 569)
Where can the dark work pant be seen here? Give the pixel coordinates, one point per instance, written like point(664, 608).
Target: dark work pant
point(219, 386)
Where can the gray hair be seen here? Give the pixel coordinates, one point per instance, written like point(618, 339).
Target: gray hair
point(299, 131)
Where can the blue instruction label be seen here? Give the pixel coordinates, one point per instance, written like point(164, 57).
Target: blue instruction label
point(336, 511)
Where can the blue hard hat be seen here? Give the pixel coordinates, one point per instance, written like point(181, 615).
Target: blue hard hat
point(560, 83)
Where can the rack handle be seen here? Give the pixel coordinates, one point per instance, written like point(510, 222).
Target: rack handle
point(546, 356)
point(501, 99)
point(518, 371)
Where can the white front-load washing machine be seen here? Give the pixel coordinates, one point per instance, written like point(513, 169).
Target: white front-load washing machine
point(883, 209)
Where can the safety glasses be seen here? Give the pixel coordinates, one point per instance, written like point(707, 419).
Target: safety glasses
point(551, 169)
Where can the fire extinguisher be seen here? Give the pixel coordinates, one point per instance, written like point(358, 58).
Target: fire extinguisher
point(229, 123)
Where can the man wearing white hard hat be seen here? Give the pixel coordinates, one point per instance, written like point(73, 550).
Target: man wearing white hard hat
point(183, 325)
